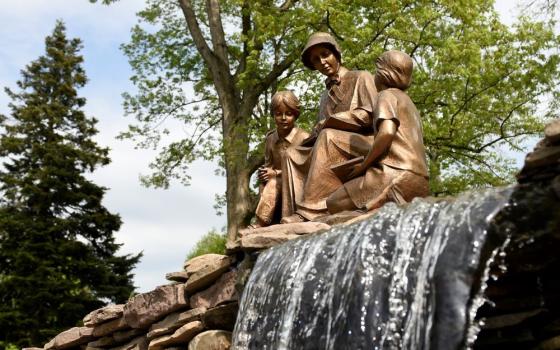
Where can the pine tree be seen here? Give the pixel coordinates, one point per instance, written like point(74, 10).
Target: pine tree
point(57, 251)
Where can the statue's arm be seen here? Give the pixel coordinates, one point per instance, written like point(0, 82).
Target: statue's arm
point(359, 116)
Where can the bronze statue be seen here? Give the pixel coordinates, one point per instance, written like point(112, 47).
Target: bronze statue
point(395, 168)
point(343, 132)
point(285, 108)
point(369, 148)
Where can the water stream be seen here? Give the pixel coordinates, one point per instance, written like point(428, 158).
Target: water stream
point(408, 278)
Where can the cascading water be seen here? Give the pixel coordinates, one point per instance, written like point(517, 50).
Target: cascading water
point(408, 278)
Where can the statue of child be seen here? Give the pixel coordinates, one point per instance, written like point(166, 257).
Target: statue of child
point(285, 108)
point(395, 168)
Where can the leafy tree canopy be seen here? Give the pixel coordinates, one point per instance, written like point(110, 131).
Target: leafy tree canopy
point(57, 251)
point(213, 66)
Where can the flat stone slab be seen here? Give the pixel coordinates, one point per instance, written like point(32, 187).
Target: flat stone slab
point(180, 276)
point(339, 218)
point(299, 228)
point(205, 270)
point(270, 236)
point(211, 340)
point(140, 343)
point(109, 327)
point(200, 262)
point(100, 343)
point(552, 132)
point(173, 321)
point(222, 291)
point(181, 336)
point(144, 309)
point(69, 338)
point(104, 314)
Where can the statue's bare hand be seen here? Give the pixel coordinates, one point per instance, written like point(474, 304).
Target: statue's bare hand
point(266, 174)
point(358, 170)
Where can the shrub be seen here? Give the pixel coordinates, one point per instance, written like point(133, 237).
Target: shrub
point(211, 242)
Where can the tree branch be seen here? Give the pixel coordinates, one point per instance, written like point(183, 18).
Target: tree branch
point(217, 32)
point(196, 33)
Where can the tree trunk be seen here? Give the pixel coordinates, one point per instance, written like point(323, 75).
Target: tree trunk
point(238, 173)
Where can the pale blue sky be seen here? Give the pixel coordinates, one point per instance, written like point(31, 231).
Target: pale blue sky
point(164, 224)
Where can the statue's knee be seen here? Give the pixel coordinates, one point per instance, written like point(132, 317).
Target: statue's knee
point(331, 205)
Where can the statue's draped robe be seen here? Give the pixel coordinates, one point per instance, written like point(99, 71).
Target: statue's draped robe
point(270, 192)
point(347, 110)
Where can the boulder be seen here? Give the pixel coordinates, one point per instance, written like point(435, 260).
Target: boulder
point(205, 270)
point(181, 336)
point(221, 317)
point(222, 291)
point(144, 309)
point(174, 321)
point(211, 340)
point(110, 327)
point(104, 314)
point(70, 338)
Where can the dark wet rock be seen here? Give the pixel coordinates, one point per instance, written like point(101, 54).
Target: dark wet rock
point(221, 317)
point(509, 320)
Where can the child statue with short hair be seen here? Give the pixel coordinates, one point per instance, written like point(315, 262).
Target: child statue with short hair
point(285, 109)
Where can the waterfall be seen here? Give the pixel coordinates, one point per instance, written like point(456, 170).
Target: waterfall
point(408, 278)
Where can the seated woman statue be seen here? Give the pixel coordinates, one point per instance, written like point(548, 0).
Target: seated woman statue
point(395, 169)
point(343, 132)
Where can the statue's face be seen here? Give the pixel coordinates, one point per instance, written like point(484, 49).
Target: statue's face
point(324, 60)
point(284, 118)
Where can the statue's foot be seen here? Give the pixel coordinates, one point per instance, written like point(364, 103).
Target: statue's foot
point(292, 219)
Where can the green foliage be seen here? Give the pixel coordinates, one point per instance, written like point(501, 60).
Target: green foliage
point(57, 251)
point(212, 242)
point(477, 83)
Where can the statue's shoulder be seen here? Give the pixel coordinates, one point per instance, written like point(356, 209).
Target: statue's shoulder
point(361, 74)
point(271, 135)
